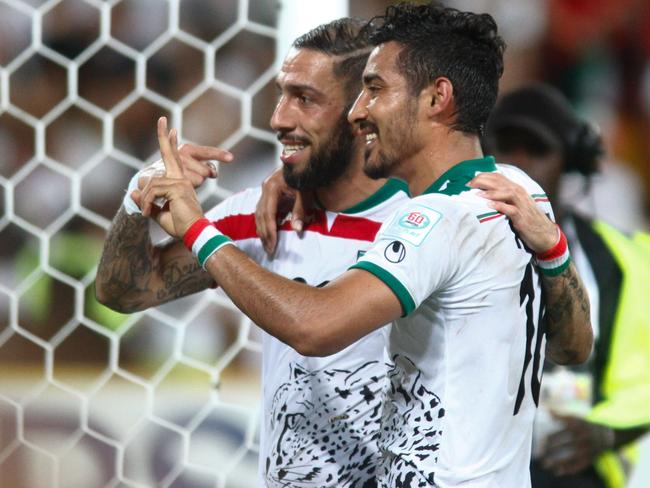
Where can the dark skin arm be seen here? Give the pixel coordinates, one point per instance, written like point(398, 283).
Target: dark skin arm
point(314, 321)
point(574, 448)
point(568, 321)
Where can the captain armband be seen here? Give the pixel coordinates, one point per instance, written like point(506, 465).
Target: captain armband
point(557, 259)
point(203, 239)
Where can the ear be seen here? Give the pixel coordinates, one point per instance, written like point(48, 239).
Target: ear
point(438, 97)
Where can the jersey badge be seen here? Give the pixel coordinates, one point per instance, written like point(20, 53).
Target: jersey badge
point(395, 252)
point(414, 225)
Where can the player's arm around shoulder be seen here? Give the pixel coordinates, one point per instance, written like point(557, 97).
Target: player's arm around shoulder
point(569, 331)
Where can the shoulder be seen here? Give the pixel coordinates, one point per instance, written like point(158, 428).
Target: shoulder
point(425, 216)
point(520, 177)
point(243, 202)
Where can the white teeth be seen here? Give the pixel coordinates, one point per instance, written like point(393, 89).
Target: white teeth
point(288, 150)
point(371, 137)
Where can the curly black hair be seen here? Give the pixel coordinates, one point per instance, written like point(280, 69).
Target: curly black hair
point(445, 42)
point(347, 39)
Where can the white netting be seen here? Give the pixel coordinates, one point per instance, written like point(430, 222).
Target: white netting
point(88, 397)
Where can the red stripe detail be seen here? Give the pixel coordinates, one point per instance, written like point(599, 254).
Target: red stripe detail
point(487, 219)
point(541, 199)
point(193, 232)
point(237, 227)
point(242, 226)
point(556, 251)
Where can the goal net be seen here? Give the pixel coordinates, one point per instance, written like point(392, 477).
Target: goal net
point(89, 397)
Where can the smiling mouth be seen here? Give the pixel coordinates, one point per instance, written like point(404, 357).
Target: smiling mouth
point(291, 149)
point(370, 138)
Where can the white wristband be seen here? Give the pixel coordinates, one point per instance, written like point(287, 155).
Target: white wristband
point(155, 169)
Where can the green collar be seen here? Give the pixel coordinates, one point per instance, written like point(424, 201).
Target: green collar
point(455, 179)
point(389, 189)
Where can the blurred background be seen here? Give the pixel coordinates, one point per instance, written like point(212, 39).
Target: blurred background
point(169, 397)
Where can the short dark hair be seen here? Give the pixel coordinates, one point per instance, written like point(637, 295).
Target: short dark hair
point(440, 41)
point(347, 39)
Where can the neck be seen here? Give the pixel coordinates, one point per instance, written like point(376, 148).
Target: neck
point(350, 188)
point(444, 149)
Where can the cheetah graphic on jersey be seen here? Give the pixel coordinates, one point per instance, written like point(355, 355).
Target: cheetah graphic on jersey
point(321, 437)
point(411, 429)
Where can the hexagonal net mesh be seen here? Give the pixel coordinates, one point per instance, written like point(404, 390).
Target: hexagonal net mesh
point(89, 397)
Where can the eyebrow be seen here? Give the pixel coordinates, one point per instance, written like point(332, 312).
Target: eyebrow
point(370, 77)
point(298, 87)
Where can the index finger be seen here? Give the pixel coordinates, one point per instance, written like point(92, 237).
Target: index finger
point(206, 152)
point(172, 166)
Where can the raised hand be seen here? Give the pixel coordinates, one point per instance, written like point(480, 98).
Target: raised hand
point(576, 446)
point(197, 161)
point(275, 203)
point(182, 207)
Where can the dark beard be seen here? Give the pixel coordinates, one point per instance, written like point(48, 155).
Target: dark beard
point(382, 170)
point(328, 164)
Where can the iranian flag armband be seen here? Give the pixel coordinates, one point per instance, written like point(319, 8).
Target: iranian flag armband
point(557, 259)
point(204, 239)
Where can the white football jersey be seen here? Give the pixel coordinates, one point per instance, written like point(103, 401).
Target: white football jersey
point(468, 353)
point(320, 421)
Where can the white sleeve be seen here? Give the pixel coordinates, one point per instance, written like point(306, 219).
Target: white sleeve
point(414, 251)
point(534, 189)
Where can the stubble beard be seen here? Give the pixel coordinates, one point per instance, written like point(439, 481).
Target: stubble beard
point(387, 163)
point(383, 168)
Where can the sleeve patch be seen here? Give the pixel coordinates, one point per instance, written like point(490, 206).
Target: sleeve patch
point(414, 224)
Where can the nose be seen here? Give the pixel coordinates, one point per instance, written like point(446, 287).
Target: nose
point(281, 119)
point(359, 110)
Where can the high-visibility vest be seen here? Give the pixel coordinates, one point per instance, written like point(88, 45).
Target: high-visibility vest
point(622, 360)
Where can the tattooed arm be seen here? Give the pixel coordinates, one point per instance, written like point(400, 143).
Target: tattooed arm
point(567, 303)
point(133, 274)
point(568, 321)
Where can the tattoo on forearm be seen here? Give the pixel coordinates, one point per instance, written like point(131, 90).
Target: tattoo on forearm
point(181, 278)
point(567, 316)
point(132, 273)
point(567, 293)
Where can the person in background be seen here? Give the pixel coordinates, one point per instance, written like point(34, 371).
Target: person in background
point(591, 414)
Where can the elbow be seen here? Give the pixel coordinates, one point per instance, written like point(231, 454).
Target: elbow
point(101, 294)
point(583, 352)
point(313, 340)
point(577, 353)
point(571, 357)
point(314, 348)
point(111, 300)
